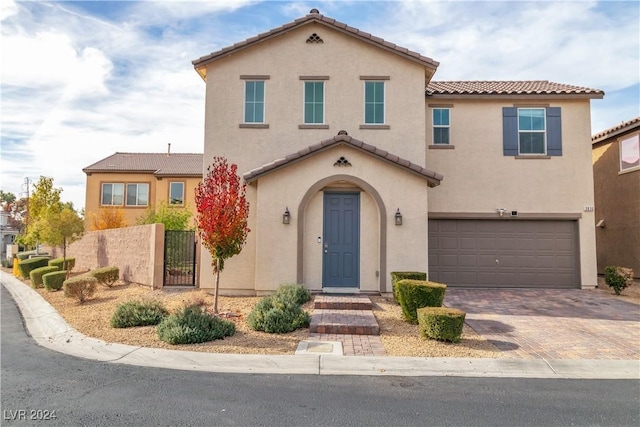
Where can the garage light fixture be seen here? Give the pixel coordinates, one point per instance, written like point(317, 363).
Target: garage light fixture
point(398, 217)
point(500, 211)
point(286, 216)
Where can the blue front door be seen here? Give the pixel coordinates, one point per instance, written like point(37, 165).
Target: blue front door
point(341, 241)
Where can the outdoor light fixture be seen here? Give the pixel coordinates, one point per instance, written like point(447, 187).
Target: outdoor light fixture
point(286, 216)
point(398, 217)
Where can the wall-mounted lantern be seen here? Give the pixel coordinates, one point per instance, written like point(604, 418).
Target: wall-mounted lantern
point(398, 217)
point(286, 216)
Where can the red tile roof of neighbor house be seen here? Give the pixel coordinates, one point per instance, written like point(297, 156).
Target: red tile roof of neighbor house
point(627, 126)
point(432, 177)
point(531, 87)
point(160, 164)
point(314, 16)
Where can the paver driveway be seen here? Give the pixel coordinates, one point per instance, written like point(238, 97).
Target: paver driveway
point(552, 324)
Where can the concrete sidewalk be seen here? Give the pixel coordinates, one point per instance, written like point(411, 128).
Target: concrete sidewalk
point(50, 330)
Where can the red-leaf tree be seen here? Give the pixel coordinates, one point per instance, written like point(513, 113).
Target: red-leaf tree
point(223, 211)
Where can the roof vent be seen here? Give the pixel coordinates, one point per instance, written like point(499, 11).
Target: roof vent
point(342, 132)
point(314, 11)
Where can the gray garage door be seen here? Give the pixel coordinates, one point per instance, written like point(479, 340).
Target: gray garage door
point(504, 253)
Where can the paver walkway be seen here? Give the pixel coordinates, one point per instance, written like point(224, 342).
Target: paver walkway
point(552, 324)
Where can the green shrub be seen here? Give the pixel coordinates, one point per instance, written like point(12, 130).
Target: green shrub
point(415, 294)
point(138, 313)
point(297, 293)
point(80, 287)
point(618, 278)
point(192, 325)
point(278, 314)
point(54, 281)
point(106, 275)
point(441, 323)
point(7, 263)
point(27, 265)
point(396, 276)
point(24, 255)
point(36, 275)
point(63, 264)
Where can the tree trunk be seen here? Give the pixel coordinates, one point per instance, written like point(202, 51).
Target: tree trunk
point(64, 257)
point(215, 291)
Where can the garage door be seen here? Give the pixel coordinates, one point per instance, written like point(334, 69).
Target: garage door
point(504, 253)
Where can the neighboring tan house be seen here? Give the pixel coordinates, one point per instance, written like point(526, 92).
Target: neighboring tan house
point(616, 175)
point(137, 181)
point(354, 171)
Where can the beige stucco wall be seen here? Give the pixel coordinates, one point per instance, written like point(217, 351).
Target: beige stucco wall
point(479, 179)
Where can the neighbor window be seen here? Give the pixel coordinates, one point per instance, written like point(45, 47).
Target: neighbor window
point(254, 101)
point(313, 102)
point(137, 194)
point(531, 131)
point(112, 194)
point(176, 193)
point(441, 126)
point(630, 152)
point(374, 102)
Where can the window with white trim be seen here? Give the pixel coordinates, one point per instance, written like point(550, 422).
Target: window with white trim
point(532, 131)
point(313, 102)
point(254, 91)
point(630, 152)
point(112, 194)
point(176, 193)
point(441, 126)
point(137, 194)
point(373, 102)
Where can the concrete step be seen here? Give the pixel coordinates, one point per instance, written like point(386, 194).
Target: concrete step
point(352, 322)
point(342, 302)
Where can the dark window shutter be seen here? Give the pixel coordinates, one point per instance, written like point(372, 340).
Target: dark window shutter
point(510, 131)
point(554, 132)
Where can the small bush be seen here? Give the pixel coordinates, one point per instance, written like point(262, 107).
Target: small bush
point(80, 287)
point(54, 281)
point(25, 255)
point(441, 323)
point(63, 264)
point(7, 263)
point(138, 313)
point(36, 275)
point(415, 294)
point(278, 314)
point(192, 325)
point(106, 276)
point(618, 278)
point(297, 293)
point(396, 276)
point(27, 265)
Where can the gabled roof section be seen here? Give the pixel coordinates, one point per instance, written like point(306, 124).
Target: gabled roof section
point(529, 87)
point(314, 16)
point(628, 126)
point(433, 179)
point(159, 164)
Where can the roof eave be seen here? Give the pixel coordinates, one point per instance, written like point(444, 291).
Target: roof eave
point(527, 96)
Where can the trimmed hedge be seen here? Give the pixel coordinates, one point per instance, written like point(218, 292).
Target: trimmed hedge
point(192, 325)
point(441, 323)
point(54, 281)
point(281, 312)
point(106, 276)
point(7, 263)
point(138, 313)
point(27, 265)
point(63, 264)
point(415, 294)
point(80, 287)
point(36, 275)
point(25, 255)
point(396, 276)
point(618, 278)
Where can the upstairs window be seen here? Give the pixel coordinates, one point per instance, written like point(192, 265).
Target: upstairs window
point(532, 131)
point(176, 193)
point(137, 194)
point(112, 194)
point(441, 126)
point(313, 102)
point(254, 101)
point(374, 103)
point(630, 152)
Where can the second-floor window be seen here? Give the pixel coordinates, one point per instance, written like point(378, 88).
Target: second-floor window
point(441, 126)
point(137, 194)
point(112, 194)
point(374, 103)
point(531, 131)
point(254, 101)
point(313, 102)
point(176, 193)
point(630, 152)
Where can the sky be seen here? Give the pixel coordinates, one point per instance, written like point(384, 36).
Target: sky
point(82, 80)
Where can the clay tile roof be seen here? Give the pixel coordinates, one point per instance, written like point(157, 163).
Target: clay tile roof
point(433, 178)
point(532, 87)
point(623, 127)
point(199, 64)
point(160, 164)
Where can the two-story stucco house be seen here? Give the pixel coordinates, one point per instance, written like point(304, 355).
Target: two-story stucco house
point(358, 164)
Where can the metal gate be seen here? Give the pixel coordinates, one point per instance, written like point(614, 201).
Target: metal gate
point(179, 258)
